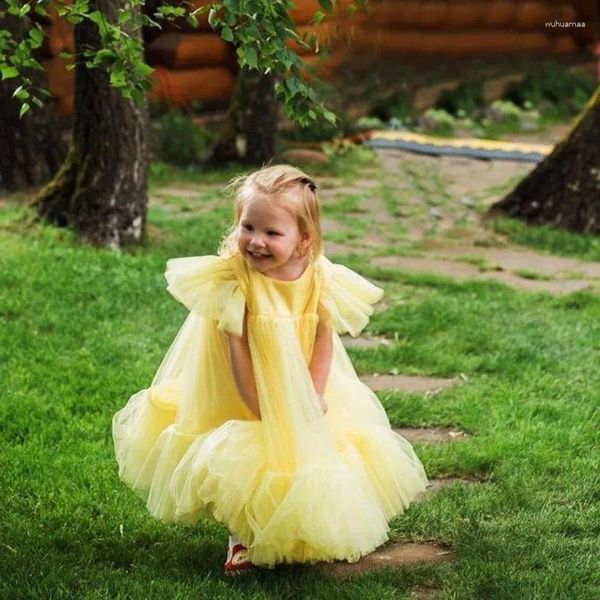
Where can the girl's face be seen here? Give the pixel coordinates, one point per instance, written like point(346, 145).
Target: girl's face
point(268, 239)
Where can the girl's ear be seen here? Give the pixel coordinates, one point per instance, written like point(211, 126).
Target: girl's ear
point(305, 241)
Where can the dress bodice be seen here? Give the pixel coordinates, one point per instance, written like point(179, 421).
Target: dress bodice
point(274, 297)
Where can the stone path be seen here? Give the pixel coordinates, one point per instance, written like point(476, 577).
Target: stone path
point(365, 341)
point(393, 554)
point(430, 435)
point(410, 384)
point(518, 269)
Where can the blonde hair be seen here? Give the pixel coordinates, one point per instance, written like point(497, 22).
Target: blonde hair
point(288, 187)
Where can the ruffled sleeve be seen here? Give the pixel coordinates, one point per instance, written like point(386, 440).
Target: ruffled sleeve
point(346, 298)
point(209, 287)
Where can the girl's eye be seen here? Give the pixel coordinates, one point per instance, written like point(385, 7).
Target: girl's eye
point(248, 227)
point(273, 233)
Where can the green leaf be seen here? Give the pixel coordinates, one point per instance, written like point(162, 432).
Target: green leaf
point(191, 20)
point(24, 108)
point(251, 58)
point(213, 19)
point(227, 34)
point(318, 18)
point(36, 36)
point(8, 72)
point(326, 5)
point(329, 116)
point(21, 93)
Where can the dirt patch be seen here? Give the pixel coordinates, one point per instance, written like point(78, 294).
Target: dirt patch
point(430, 435)
point(393, 554)
point(411, 384)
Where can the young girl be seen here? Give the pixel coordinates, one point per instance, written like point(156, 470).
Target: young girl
point(256, 416)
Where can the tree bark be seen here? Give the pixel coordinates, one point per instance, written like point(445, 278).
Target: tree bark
point(101, 189)
point(251, 126)
point(564, 189)
point(31, 148)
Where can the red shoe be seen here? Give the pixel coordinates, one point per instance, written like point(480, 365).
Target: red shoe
point(237, 560)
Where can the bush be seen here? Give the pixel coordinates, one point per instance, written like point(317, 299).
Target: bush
point(176, 139)
point(467, 98)
point(436, 121)
point(556, 85)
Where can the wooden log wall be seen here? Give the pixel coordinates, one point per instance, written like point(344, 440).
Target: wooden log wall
point(476, 27)
point(196, 65)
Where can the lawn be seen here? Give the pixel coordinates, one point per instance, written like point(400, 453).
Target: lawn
point(83, 329)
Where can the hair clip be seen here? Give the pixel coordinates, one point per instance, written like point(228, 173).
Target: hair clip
point(310, 183)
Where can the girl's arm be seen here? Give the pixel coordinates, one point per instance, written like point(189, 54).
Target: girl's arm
point(241, 364)
point(321, 360)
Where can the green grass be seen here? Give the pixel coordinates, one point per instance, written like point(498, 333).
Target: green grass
point(83, 329)
point(550, 239)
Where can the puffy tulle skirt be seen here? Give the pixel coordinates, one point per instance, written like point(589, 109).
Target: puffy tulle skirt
point(335, 508)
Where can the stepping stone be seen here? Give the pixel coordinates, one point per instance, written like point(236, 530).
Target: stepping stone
point(332, 248)
point(586, 269)
point(430, 435)
point(331, 225)
point(418, 264)
point(411, 384)
point(553, 286)
point(509, 259)
point(435, 485)
point(365, 341)
point(462, 271)
point(394, 554)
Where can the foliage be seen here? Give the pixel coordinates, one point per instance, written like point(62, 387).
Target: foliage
point(260, 30)
point(467, 97)
point(555, 85)
point(398, 105)
point(436, 121)
point(176, 139)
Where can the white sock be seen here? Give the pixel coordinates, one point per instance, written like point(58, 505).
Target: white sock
point(233, 541)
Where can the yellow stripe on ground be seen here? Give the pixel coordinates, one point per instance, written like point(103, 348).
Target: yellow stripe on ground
point(419, 138)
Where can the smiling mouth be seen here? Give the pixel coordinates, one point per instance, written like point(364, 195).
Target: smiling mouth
point(256, 255)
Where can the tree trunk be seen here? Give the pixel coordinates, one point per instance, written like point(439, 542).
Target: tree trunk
point(101, 189)
point(249, 132)
point(31, 149)
point(564, 189)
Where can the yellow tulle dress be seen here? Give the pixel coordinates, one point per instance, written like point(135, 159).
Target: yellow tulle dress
point(297, 485)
